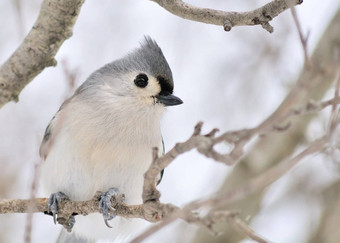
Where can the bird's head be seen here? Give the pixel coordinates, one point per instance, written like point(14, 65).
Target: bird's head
point(142, 77)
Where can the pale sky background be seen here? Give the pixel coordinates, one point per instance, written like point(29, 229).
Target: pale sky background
point(230, 80)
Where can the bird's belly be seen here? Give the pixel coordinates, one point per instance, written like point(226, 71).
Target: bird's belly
point(81, 173)
point(125, 173)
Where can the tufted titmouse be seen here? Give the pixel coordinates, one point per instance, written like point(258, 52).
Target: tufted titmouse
point(101, 138)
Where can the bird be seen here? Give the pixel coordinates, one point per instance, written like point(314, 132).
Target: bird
point(101, 139)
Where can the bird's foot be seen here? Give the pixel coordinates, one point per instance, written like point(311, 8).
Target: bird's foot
point(105, 204)
point(53, 201)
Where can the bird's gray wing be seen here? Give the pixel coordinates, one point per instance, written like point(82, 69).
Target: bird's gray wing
point(50, 132)
point(162, 172)
point(47, 141)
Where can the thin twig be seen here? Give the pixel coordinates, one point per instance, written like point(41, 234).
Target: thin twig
point(304, 40)
point(71, 76)
point(29, 218)
point(238, 224)
point(334, 114)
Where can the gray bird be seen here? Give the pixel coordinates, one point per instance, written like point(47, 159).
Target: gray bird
point(101, 138)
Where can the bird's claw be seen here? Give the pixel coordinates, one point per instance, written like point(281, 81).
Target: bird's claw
point(105, 204)
point(107, 223)
point(53, 201)
point(70, 223)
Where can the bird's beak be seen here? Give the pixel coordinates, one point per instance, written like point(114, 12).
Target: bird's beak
point(168, 99)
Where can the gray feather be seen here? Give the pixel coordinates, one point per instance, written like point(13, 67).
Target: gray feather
point(47, 139)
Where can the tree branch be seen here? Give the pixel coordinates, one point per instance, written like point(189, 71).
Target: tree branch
point(66, 208)
point(260, 16)
point(52, 27)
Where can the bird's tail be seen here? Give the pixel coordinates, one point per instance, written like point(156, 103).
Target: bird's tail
point(66, 237)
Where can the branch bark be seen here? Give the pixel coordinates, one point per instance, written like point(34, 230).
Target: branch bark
point(53, 26)
point(67, 207)
point(260, 16)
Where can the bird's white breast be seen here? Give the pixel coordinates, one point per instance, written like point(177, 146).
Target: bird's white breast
point(93, 151)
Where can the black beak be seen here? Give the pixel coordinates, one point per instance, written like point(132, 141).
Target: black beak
point(168, 99)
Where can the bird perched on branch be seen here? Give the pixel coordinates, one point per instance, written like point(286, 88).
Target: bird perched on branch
point(101, 138)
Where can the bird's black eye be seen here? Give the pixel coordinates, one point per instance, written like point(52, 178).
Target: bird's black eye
point(141, 80)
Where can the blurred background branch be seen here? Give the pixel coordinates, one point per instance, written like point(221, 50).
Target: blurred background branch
point(274, 147)
point(327, 230)
point(53, 26)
